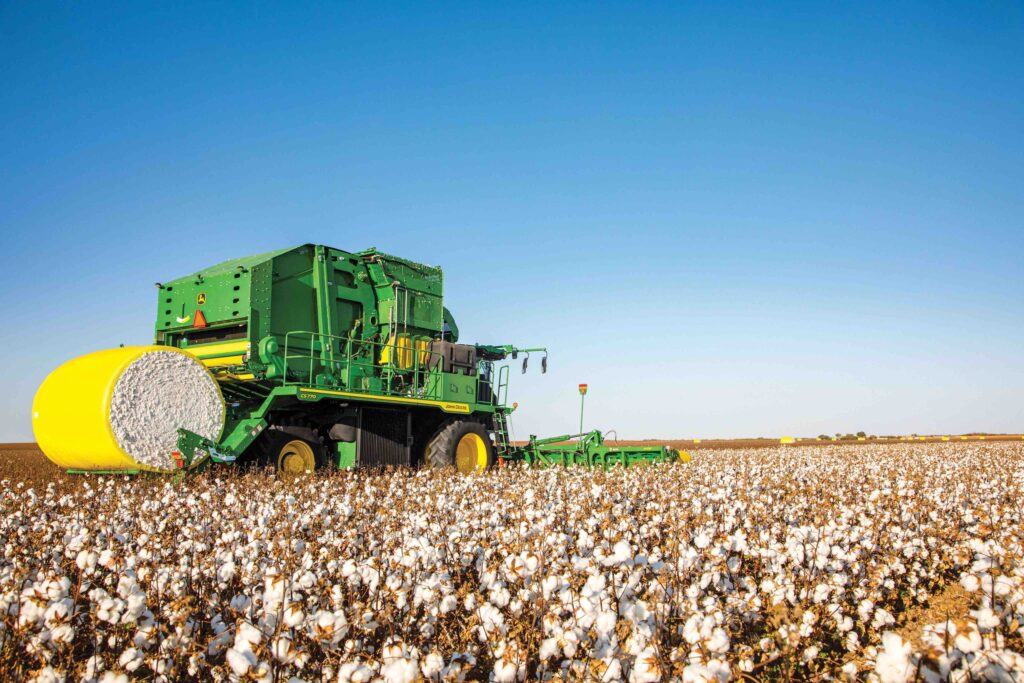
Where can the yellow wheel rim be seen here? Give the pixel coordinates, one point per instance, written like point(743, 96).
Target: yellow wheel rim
point(470, 453)
point(296, 457)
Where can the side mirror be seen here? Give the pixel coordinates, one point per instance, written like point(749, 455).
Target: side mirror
point(526, 361)
point(544, 364)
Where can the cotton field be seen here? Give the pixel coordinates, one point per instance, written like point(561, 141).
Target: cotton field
point(882, 563)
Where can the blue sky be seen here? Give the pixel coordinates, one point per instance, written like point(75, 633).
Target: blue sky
point(731, 220)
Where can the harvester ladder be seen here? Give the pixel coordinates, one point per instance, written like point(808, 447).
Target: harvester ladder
point(501, 442)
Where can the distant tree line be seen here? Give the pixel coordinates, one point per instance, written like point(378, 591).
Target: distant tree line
point(848, 437)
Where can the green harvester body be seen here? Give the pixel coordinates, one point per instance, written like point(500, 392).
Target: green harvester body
point(353, 352)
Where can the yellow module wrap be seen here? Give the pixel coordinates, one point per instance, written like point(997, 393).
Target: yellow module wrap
point(120, 409)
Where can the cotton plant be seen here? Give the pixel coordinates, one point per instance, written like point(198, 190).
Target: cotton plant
point(793, 563)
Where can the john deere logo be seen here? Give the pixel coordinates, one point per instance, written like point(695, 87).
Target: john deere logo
point(200, 299)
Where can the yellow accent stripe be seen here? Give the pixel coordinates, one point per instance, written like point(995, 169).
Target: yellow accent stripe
point(217, 348)
point(214, 355)
point(446, 406)
point(222, 360)
point(227, 376)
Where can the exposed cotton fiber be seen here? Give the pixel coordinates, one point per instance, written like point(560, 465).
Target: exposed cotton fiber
point(158, 393)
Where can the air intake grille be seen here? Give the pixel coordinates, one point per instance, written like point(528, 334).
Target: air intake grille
point(383, 437)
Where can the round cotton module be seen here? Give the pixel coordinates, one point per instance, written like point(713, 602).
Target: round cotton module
point(121, 409)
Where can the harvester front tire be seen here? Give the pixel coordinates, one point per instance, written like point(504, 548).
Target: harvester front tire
point(295, 457)
point(289, 454)
point(462, 444)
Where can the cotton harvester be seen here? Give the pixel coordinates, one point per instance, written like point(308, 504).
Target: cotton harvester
point(299, 359)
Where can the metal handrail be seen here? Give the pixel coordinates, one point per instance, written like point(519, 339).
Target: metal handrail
point(416, 378)
point(501, 386)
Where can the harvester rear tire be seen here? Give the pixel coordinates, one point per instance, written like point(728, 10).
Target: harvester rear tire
point(462, 444)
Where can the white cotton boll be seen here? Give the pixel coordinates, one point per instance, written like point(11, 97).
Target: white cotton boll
point(605, 622)
point(719, 641)
point(400, 670)
point(273, 585)
point(982, 564)
point(646, 668)
point(702, 540)
point(432, 665)
point(970, 582)
point(31, 613)
point(448, 603)
point(93, 666)
point(986, 619)
point(622, 553)
point(58, 612)
point(134, 608)
point(240, 602)
point(306, 581)
point(697, 673)
point(491, 618)
point(548, 648)
point(594, 586)
point(247, 636)
point(938, 635)
point(865, 609)
point(720, 669)
point(109, 610)
point(112, 677)
point(613, 672)
point(240, 661)
point(283, 650)
point(504, 672)
point(691, 629)
point(893, 663)
point(63, 633)
point(86, 560)
point(349, 570)
point(1002, 587)
point(48, 675)
point(56, 590)
point(882, 619)
point(131, 659)
point(499, 596)
point(226, 572)
point(293, 615)
point(849, 671)
point(969, 640)
point(458, 667)
point(810, 653)
point(354, 672)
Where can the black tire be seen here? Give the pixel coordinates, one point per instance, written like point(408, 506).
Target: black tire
point(443, 448)
point(272, 442)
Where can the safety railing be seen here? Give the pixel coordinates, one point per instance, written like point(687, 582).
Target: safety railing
point(400, 366)
point(501, 388)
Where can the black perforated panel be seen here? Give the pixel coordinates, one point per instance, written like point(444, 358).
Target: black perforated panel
point(384, 437)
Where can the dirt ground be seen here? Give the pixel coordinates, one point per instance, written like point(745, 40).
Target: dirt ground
point(26, 463)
